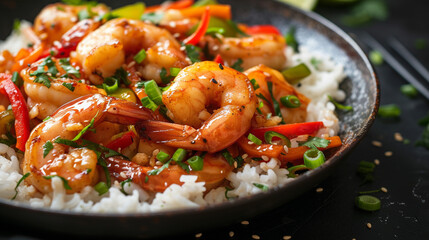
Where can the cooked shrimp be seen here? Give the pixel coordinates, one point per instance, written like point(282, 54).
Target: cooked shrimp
point(103, 51)
point(263, 74)
point(267, 49)
point(213, 106)
point(56, 19)
point(215, 170)
point(47, 100)
point(73, 163)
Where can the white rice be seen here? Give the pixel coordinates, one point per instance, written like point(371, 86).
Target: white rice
point(323, 81)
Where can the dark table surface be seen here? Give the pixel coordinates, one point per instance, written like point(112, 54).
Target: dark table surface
point(331, 214)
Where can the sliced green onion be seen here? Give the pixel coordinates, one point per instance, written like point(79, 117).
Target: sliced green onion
point(153, 92)
point(123, 185)
point(101, 188)
point(147, 103)
point(174, 71)
point(291, 40)
point(85, 129)
point(409, 90)
point(179, 155)
point(47, 147)
point(65, 182)
point(16, 78)
point(366, 164)
point(196, 163)
point(163, 156)
point(292, 170)
point(294, 74)
point(18, 183)
point(368, 203)
point(276, 104)
point(268, 135)
point(158, 170)
point(228, 157)
point(140, 56)
point(339, 105)
point(237, 65)
point(110, 85)
point(201, 3)
point(254, 139)
point(290, 101)
point(261, 186)
point(389, 111)
point(254, 84)
point(376, 57)
point(313, 158)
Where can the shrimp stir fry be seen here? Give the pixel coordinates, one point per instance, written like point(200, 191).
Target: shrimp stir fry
point(148, 101)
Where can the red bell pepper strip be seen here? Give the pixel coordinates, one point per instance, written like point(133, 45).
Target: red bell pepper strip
point(19, 108)
point(289, 130)
point(218, 59)
point(122, 142)
point(295, 155)
point(262, 29)
point(181, 4)
point(201, 30)
point(271, 151)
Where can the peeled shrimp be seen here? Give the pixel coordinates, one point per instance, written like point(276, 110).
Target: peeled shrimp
point(267, 49)
point(103, 51)
point(263, 74)
point(47, 100)
point(76, 165)
point(215, 170)
point(56, 19)
point(211, 105)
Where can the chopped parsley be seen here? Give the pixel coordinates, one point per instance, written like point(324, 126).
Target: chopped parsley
point(165, 78)
point(9, 140)
point(315, 62)
point(43, 76)
point(16, 25)
point(237, 65)
point(365, 11)
point(193, 53)
point(315, 142)
point(65, 64)
point(153, 17)
point(65, 182)
point(69, 86)
point(47, 147)
point(18, 183)
point(254, 84)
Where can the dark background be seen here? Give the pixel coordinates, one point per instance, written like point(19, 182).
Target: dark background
point(331, 214)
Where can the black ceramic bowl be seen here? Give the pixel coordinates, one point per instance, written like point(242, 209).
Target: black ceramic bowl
point(314, 32)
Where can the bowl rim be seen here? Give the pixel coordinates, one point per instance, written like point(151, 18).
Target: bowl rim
point(331, 162)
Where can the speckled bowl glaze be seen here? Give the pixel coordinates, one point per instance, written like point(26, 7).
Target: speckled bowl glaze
point(313, 32)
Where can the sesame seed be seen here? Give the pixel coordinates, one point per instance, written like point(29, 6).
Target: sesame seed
point(245, 222)
point(131, 64)
point(376, 162)
point(244, 156)
point(377, 143)
point(398, 137)
point(388, 153)
point(319, 190)
point(286, 148)
point(250, 142)
point(287, 237)
point(235, 164)
point(254, 236)
point(353, 238)
point(123, 175)
point(231, 234)
point(198, 235)
point(383, 189)
point(265, 158)
point(369, 225)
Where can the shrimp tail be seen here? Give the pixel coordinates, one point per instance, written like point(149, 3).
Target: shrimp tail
point(172, 134)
